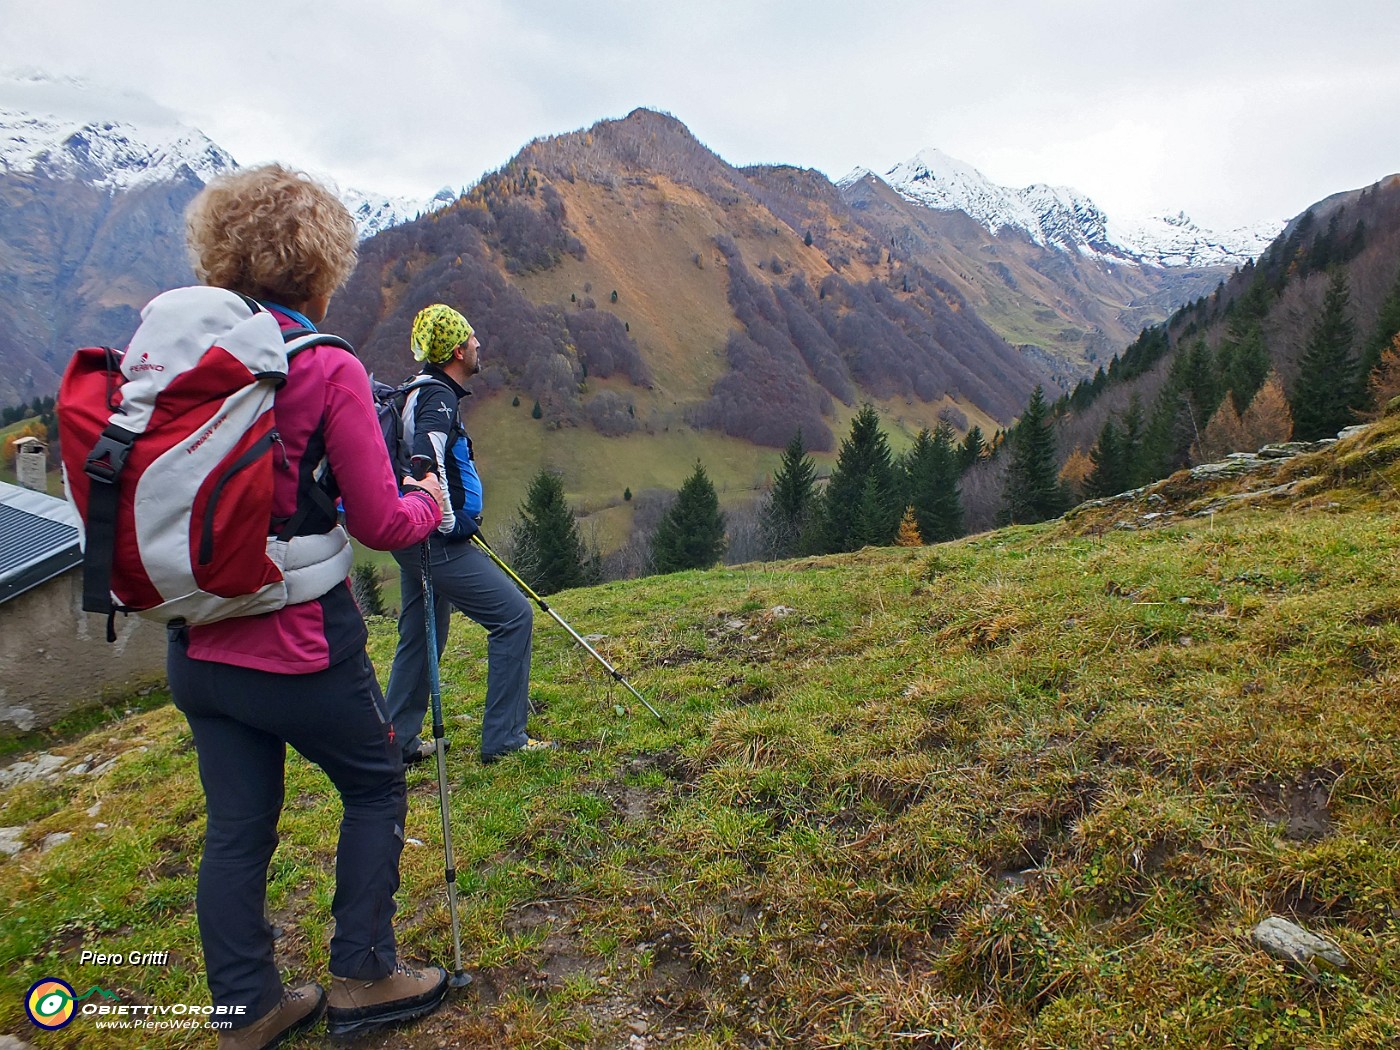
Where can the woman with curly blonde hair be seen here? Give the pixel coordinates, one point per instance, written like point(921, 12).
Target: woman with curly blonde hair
point(251, 685)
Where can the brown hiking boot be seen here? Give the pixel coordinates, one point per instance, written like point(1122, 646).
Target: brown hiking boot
point(358, 1006)
point(300, 1008)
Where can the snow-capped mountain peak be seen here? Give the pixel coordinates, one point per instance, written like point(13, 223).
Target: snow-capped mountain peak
point(936, 180)
point(374, 212)
point(855, 175)
point(118, 156)
point(1063, 219)
point(109, 154)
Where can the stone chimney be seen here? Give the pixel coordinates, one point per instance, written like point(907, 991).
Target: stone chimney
point(32, 464)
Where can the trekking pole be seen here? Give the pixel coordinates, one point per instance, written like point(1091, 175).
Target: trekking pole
point(525, 587)
point(460, 978)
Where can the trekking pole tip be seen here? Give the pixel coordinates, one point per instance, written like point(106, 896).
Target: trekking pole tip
point(460, 979)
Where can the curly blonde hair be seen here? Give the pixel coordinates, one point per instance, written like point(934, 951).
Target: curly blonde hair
point(271, 233)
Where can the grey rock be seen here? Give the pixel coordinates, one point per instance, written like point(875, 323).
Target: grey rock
point(56, 838)
point(40, 767)
point(105, 767)
point(10, 1042)
point(1228, 469)
point(1342, 435)
point(11, 841)
point(1290, 942)
point(23, 717)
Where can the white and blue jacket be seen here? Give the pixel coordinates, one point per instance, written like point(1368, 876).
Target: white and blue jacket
point(433, 427)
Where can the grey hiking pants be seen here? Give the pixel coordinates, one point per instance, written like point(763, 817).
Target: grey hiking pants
point(464, 577)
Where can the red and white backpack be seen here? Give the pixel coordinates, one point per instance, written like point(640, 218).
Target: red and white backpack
point(169, 452)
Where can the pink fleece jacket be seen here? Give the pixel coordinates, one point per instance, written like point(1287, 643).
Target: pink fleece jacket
point(326, 386)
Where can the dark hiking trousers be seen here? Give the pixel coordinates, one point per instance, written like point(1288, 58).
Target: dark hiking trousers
point(242, 721)
point(464, 577)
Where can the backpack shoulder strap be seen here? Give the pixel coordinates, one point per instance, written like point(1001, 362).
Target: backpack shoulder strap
point(299, 339)
point(419, 382)
point(312, 496)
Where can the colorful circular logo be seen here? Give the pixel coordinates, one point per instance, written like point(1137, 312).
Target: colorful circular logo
point(49, 1003)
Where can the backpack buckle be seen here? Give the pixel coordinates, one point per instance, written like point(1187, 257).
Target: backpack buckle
point(108, 456)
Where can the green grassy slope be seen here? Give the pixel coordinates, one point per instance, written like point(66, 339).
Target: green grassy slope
point(1029, 789)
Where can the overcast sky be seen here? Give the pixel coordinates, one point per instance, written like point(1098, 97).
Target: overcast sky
point(1233, 111)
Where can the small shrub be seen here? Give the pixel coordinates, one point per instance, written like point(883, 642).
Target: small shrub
point(364, 585)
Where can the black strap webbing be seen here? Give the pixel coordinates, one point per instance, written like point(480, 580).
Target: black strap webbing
point(103, 468)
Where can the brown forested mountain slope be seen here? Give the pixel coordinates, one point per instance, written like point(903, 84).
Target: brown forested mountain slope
point(630, 253)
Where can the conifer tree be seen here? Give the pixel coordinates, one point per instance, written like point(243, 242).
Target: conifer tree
point(1386, 329)
point(1074, 475)
point(549, 554)
point(1326, 388)
point(787, 513)
point(691, 534)
point(1109, 475)
point(1243, 361)
point(908, 535)
point(1202, 383)
point(1179, 415)
point(933, 470)
point(870, 524)
point(364, 586)
point(1133, 473)
point(1033, 491)
point(1384, 383)
point(973, 448)
point(850, 515)
point(1224, 434)
point(1268, 418)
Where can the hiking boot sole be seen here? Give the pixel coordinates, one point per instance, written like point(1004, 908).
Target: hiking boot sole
point(344, 1028)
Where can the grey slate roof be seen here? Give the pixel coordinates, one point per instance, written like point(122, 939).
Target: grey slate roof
point(38, 539)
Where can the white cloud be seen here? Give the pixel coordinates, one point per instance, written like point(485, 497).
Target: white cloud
point(1232, 110)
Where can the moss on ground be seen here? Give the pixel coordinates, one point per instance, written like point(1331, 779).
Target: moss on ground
point(1030, 789)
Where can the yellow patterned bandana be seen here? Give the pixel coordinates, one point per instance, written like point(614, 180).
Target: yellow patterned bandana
point(437, 331)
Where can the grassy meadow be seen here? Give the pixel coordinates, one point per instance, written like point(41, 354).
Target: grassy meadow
point(1030, 789)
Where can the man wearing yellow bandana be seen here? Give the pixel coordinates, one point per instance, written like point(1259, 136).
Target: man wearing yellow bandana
point(462, 575)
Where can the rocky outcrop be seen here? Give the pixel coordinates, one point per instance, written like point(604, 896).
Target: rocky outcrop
point(1197, 491)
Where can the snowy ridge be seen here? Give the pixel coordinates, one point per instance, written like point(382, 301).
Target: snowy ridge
point(373, 213)
point(120, 157)
point(855, 176)
point(1063, 219)
point(107, 154)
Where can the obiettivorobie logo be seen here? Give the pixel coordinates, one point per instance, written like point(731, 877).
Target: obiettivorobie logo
point(52, 1004)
